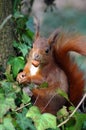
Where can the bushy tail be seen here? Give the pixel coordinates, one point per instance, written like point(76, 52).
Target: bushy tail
point(65, 44)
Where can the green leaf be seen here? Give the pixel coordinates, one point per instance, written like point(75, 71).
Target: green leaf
point(15, 44)
point(76, 122)
point(71, 108)
point(33, 113)
point(25, 98)
point(15, 5)
point(41, 121)
point(17, 64)
point(21, 24)
point(63, 94)
point(1, 127)
point(29, 34)
point(8, 88)
point(7, 124)
point(26, 39)
point(62, 113)
point(23, 122)
point(71, 124)
point(17, 14)
point(84, 125)
point(5, 105)
point(23, 48)
point(44, 85)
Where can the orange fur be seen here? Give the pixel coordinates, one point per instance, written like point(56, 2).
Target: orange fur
point(65, 44)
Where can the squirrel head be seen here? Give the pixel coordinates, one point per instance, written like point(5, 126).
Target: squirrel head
point(41, 53)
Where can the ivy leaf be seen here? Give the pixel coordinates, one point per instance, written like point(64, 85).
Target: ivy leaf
point(25, 98)
point(76, 122)
point(8, 89)
point(23, 48)
point(84, 125)
point(17, 14)
point(1, 127)
point(7, 124)
point(62, 113)
point(15, 44)
point(44, 85)
point(63, 94)
point(20, 24)
point(71, 109)
point(17, 64)
point(27, 40)
point(41, 121)
point(5, 105)
point(24, 122)
point(30, 34)
point(33, 113)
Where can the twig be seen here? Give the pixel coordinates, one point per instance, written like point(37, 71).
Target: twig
point(5, 21)
point(36, 100)
point(48, 102)
point(22, 107)
point(64, 122)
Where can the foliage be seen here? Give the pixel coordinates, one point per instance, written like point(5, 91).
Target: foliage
point(23, 122)
point(16, 109)
point(12, 111)
point(24, 34)
point(17, 64)
point(7, 124)
point(42, 121)
point(76, 122)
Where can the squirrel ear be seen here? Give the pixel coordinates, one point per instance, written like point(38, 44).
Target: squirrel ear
point(53, 37)
point(37, 27)
point(37, 34)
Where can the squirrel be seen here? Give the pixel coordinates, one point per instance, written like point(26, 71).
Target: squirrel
point(49, 61)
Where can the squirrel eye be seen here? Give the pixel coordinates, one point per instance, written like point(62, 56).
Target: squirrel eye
point(47, 50)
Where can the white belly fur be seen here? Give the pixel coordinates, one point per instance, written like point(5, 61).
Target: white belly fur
point(33, 70)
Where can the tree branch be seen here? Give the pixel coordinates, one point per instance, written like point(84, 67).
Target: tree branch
point(64, 122)
point(22, 107)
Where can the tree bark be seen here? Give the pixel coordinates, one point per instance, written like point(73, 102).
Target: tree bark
point(6, 36)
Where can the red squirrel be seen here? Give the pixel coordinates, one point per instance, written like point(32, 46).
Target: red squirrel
point(49, 61)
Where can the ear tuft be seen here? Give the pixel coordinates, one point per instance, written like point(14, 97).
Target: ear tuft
point(37, 34)
point(37, 27)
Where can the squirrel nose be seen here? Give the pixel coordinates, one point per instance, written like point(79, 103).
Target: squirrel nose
point(36, 56)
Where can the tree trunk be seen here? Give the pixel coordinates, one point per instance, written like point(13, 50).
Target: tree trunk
point(6, 37)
